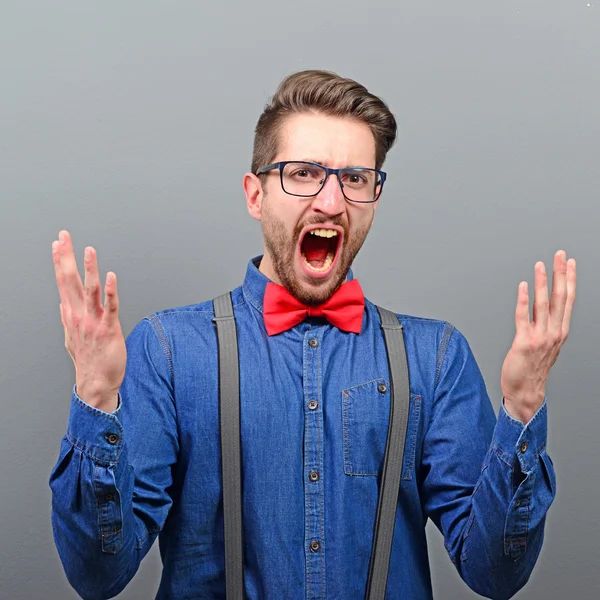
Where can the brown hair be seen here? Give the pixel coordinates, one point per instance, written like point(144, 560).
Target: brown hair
point(327, 93)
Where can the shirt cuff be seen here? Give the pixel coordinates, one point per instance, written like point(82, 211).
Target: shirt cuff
point(96, 433)
point(514, 440)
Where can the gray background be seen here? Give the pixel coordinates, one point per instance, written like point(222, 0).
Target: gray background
point(131, 125)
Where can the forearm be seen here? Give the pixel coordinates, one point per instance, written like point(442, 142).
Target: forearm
point(503, 536)
point(94, 525)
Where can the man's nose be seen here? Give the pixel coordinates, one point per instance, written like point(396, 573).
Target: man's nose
point(330, 200)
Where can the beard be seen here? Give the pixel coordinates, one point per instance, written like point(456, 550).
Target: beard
point(282, 249)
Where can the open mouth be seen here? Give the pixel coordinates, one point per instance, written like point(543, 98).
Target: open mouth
point(319, 249)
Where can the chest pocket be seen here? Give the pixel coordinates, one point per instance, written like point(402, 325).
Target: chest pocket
point(365, 416)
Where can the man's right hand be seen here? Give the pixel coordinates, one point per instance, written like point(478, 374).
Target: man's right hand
point(93, 335)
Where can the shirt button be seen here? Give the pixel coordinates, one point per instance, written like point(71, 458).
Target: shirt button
point(315, 546)
point(313, 342)
point(382, 388)
point(314, 476)
point(108, 497)
point(312, 404)
point(112, 438)
point(524, 447)
point(518, 503)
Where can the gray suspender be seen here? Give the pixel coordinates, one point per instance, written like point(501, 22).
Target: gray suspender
point(389, 487)
point(231, 469)
point(229, 415)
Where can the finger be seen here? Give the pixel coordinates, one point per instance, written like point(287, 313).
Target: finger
point(72, 281)
point(522, 310)
point(93, 295)
point(64, 317)
point(63, 321)
point(540, 303)
point(58, 272)
point(111, 300)
point(558, 298)
point(571, 293)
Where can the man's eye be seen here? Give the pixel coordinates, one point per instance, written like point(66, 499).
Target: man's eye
point(304, 174)
point(355, 179)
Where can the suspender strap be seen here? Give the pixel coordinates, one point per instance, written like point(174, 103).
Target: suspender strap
point(229, 417)
point(392, 463)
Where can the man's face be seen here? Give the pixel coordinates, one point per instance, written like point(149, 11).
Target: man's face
point(312, 267)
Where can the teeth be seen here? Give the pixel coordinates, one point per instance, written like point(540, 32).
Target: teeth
point(326, 264)
point(327, 233)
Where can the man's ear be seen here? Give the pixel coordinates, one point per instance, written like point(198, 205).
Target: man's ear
point(254, 195)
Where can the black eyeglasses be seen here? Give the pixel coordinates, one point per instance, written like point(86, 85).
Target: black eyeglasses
point(306, 179)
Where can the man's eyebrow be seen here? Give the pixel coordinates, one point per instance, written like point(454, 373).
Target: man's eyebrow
point(324, 163)
point(314, 160)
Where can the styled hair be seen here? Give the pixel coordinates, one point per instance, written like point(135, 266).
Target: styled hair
point(324, 92)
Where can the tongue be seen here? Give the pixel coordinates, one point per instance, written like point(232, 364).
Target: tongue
point(315, 250)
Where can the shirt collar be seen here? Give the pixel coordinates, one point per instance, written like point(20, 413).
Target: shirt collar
point(255, 283)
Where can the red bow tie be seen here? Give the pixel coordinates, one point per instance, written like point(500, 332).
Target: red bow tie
point(344, 309)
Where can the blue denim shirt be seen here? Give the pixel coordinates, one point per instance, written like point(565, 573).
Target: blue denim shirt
point(152, 468)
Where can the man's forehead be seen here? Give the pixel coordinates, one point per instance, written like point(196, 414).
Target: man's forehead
point(332, 141)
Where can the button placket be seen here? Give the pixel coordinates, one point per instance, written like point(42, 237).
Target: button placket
point(313, 464)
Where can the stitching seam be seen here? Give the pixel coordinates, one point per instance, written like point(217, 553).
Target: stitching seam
point(448, 330)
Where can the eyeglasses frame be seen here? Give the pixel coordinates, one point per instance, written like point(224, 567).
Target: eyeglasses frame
point(328, 171)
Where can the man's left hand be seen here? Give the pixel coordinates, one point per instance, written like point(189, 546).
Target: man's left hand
point(538, 342)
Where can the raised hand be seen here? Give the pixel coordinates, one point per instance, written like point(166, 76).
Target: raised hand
point(93, 335)
point(538, 342)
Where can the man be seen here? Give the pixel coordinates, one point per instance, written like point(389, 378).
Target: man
point(141, 457)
